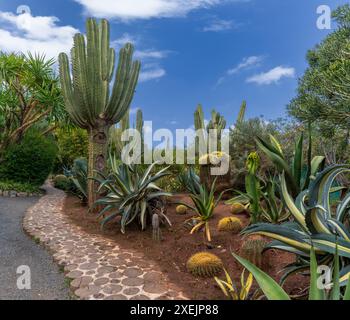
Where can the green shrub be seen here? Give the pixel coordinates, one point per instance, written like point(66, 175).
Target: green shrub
point(62, 182)
point(30, 161)
point(72, 144)
point(18, 187)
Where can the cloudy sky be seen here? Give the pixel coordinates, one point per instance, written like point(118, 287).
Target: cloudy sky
point(214, 52)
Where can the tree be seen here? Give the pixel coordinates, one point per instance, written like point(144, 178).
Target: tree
point(29, 96)
point(87, 93)
point(324, 90)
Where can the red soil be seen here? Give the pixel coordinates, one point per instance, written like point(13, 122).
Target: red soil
point(178, 245)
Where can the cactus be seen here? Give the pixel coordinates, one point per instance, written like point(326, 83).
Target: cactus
point(156, 235)
point(238, 208)
point(181, 209)
point(252, 250)
point(231, 224)
point(87, 93)
point(115, 144)
point(204, 264)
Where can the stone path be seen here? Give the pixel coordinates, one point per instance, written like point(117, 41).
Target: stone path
point(17, 249)
point(98, 267)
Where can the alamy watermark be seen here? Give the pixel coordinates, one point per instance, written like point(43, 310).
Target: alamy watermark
point(24, 280)
point(324, 21)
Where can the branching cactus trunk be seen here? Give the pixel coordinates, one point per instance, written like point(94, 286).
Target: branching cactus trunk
point(87, 92)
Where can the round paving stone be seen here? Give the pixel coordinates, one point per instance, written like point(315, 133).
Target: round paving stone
point(115, 275)
point(70, 267)
point(131, 291)
point(88, 266)
point(116, 297)
point(112, 289)
point(152, 287)
point(101, 281)
point(99, 296)
point(83, 293)
point(132, 272)
point(104, 270)
point(74, 274)
point(81, 282)
point(140, 297)
point(133, 282)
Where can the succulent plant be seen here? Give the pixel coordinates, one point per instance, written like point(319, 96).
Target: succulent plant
point(252, 250)
point(204, 264)
point(181, 209)
point(231, 224)
point(91, 101)
point(238, 208)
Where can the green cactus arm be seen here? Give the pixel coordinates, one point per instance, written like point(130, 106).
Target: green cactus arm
point(68, 93)
point(129, 91)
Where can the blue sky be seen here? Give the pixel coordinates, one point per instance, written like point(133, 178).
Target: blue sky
point(213, 52)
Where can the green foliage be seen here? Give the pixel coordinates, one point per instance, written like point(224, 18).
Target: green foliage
point(273, 291)
point(72, 143)
point(230, 289)
point(29, 96)
point(19, 187)
point(294, 171)
point(31, 161)
point(204, 205)
point(316, 223)
point(323, 92)
point(87, 95)
point(78, 176)
point(62, 182)
point(189, 180)
point(132, 195)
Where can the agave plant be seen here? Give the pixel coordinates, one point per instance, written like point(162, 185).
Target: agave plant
point(316, 224)
point(296, 181)
point(131, 194)
point(273, 291)
point(204, 205)
point(190, 180)
point(231, 290)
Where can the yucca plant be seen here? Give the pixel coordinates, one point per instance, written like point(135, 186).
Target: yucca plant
point(132, 195)
point(315, 224)
point(87, 92)
point(231, 290)
point(294, 172)
point(204, 205)
point(273, 291)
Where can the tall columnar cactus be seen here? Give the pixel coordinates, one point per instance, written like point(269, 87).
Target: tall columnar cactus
point(87, 93)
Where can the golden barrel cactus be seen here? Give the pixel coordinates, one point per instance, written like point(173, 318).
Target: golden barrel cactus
point(238, 208)
point(231, 224)
point(181, 209)
point(204, 264)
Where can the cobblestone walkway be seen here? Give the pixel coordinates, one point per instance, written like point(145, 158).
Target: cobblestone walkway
point(98, 267)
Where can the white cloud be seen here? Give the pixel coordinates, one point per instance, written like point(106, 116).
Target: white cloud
point(150, 54)
point(38, 34)
point(247, 63)
point(272, 76)
point(219, 25)
point(152, 74)
point(145, 9)
point(124, 39)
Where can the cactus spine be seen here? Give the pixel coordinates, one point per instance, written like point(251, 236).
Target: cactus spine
point(204, 264)
point(87, 93)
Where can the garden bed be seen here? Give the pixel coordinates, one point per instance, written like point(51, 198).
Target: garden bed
point(178, 245)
